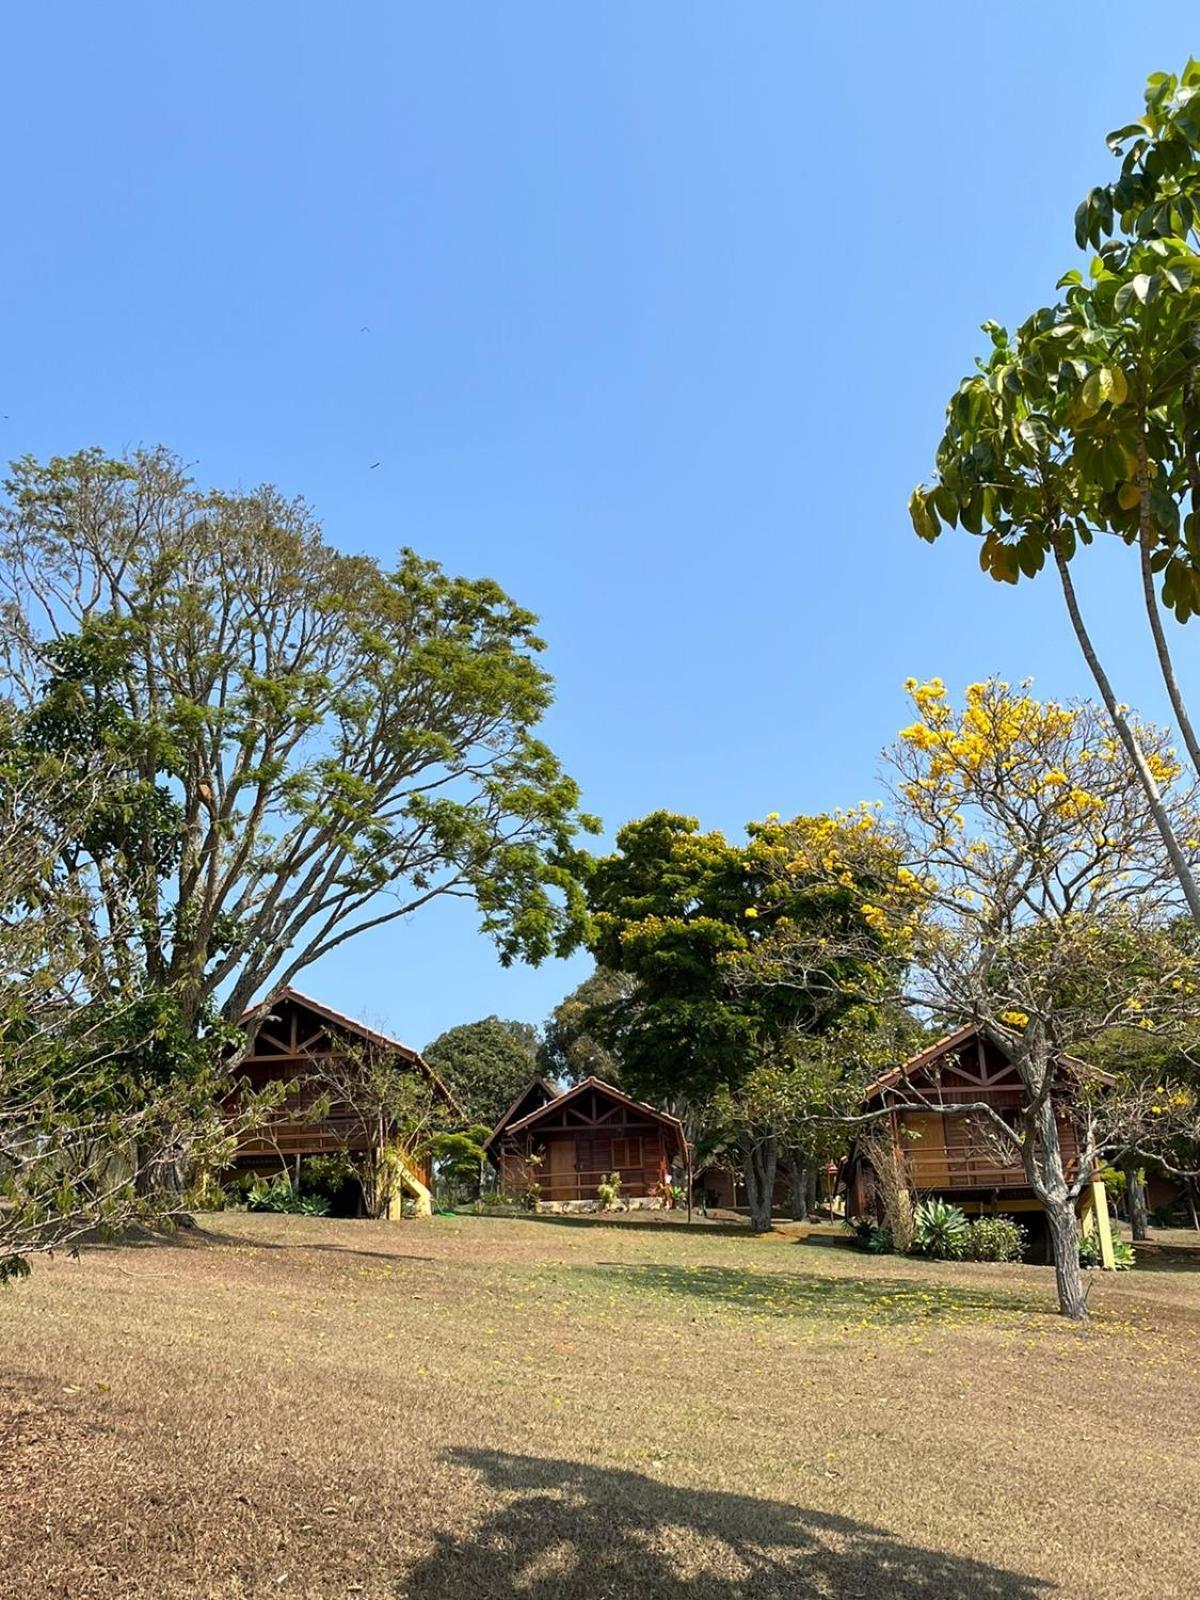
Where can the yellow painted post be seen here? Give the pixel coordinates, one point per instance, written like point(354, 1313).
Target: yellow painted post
point(1099, 1198)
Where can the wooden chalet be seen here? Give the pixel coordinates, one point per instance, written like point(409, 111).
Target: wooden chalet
point(292, 1037)
point(947, 1153)
point(561, 1144)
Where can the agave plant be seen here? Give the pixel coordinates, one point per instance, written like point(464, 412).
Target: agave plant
point(940, 1230)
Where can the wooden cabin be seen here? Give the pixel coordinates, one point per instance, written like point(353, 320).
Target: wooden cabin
point(292, 1037)
point(559, 1145)
point(948, 1154)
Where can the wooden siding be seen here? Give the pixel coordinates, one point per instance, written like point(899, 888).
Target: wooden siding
point(290, 1046)
point(570, 1146)
point(948, 1151)
point(567, 1166)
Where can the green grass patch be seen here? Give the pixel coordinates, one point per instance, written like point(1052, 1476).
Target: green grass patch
point(874, 1302)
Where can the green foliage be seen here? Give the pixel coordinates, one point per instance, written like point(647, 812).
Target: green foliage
point(683, 914)
point(608, 1192)
point(875, 1240)
point(1085, 421)
point(995, 1239)
point(278, 1194)
point(485, 1064)
point(940, 1230)
point(574, 1038)
point(326, 1175)
point(460, 1157)
point(1124, 1255)
point(290, 730)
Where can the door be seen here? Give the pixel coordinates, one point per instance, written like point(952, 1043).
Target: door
point(562, 1178)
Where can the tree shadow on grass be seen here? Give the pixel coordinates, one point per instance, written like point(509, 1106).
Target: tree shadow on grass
point(879, 1301)
point(210, 1238)
point(570, 1532)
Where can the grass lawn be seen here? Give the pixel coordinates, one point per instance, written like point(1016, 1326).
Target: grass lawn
point(499, 1407)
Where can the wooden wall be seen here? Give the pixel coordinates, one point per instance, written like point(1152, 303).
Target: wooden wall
point(570, 1164)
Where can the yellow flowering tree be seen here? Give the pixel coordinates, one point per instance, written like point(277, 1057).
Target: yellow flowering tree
point(1049, 896)
point(1033, 895)
point(706, 1026)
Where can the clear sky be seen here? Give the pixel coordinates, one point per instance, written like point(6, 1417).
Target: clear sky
point(664, 304)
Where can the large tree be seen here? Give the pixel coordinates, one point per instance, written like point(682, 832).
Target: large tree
point(574, 1038)
point(1084, 424)
point(1036, 900)
point(682, 913)
point(305, 745)
point(106, 1099)
point(486, 1064)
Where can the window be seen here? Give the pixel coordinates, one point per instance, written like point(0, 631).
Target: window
point(627, 1153)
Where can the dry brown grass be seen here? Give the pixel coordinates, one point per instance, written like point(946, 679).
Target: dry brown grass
point(490, 1407)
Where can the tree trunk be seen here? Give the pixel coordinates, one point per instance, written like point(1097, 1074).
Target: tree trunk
point(760, 1158)
point(798, 1176)
point(810, 1198)
point(1041, 1157)
point(1068, 1276)
point(1128, 738)
point(1135, 1188)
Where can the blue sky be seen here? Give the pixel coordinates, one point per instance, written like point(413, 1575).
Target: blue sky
point(664, 305)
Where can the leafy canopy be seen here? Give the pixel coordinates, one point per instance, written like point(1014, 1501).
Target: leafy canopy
point(303, 744)
point(486, 1064)
point(685, 914)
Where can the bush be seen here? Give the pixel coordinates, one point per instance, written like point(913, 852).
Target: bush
point(940, 1230)
point(1124, 1255)
point(995, 1239)
point(278, 1195)
point(608, 1192)
point(875, 1238)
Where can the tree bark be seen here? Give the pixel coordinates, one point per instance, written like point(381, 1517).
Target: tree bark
point(1068, 1275)
point(1135, 1188)
point(798, 1176)
point(811, 1196)
point(1125, 734)
point(760, 1158)
point(1041, 1156)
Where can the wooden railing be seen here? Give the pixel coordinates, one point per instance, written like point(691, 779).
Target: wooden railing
point(964, 1170)
point(582, 1185)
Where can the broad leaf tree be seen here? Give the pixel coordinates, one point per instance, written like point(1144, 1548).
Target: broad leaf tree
point(304, 743)
point(1084, 424)
point(1035, 899)
point(486, 1064)
point(573, 1040)
point(106, 1099)
point(682, 913)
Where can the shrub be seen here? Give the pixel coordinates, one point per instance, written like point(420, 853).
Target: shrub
point(940, 1230)
point(608, 1192)
point(995, 1239)
point(1124, 1255)
point(277, 1194)
point(877, 1239)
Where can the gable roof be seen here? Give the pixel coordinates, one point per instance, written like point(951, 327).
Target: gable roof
point(954, 1040)
point(265, 1008)
point(568, 1095)
point(537, 1084)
